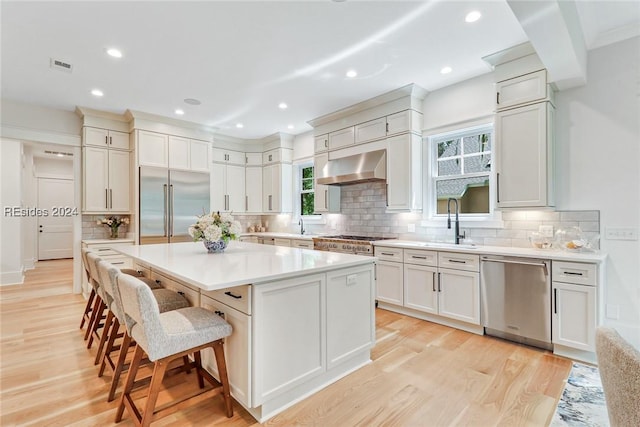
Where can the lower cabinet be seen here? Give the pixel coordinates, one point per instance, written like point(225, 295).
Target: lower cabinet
point(281, 242)
point(302, 243)
point(389, 280)
point(574, 316)
point(421, 288)
point(459, 295)
point(191, 294)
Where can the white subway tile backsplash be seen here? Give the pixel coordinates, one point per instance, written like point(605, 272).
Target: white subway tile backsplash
point(580, 216)
point(514, 215)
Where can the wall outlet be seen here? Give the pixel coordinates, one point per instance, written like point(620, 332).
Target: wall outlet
point(411, 228)
point(620, 233)
point(546, 230)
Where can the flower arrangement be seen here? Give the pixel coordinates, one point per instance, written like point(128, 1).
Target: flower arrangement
point(113, 222)
point(215, 227)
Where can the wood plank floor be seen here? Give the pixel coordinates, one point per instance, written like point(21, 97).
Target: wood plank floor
point(423, 374)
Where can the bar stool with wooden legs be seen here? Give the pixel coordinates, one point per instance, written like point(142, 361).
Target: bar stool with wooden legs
point(165, 299)
point(165, 337)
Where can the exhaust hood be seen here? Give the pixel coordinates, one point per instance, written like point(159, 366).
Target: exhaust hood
point(364, 167)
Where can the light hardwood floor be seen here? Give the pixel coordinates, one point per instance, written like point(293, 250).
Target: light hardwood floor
point(423, 374)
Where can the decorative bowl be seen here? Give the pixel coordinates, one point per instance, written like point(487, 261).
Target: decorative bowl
point(539, 241)
point(215, 247)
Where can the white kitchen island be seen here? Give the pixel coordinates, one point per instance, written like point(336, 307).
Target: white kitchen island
point(301, 319)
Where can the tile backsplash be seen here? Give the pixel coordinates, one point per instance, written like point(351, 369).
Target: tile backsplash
point(91, 230)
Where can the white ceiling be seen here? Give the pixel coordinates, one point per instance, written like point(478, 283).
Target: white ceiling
point(241, 59)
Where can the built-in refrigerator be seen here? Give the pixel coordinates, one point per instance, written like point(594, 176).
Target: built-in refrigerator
point(170, 201)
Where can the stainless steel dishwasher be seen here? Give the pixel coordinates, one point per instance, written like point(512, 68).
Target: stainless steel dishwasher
point(516, 299)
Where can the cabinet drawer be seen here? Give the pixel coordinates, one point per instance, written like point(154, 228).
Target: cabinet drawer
point(192, 295)
point(528, 88)
point(145, 270)
point(238, 297)
point(420, 257)
point(388, 254)
point(306, 244)
point(458, 261)
point(120, 261)
point(574, 272)
point(341, 138)
point(281, 242)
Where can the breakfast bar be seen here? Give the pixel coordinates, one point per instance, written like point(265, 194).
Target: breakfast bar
point(301, 319)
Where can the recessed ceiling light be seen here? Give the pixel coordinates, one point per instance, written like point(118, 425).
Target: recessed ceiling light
point(192, 101)
point(97, 92)
point(179, 112)
point(352, 73)
point(290, 127)
point(472, 16)
point(114, 52)
point(446, 70)
point(282, 106)
point(239, 125)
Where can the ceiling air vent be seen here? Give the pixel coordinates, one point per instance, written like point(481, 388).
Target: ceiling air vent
point(58, 64)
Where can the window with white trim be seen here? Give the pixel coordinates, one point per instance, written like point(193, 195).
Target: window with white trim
point(461, 169)
point(307, 189)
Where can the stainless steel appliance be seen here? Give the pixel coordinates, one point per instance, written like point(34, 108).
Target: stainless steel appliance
point(363, 167)
point(358, 245)
point(169, 203)
point(516, 299)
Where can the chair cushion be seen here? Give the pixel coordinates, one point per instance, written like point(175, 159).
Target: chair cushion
point(169, 300)
point(131, 272)
point(150, 283)
point(182, 330)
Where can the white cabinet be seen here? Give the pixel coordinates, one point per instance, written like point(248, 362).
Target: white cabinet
point(404, 173)
point(253, 187)
point(524, 156)
point(373, 129)
point(341, 138)
point(228, 156)
point(277, 188)
point(253, 159)
point(300, 243)
point(228, 188)
point(574, 317)
point(321, 143)
point(188, 154)
point(389, 275)
point(404, 121)
point(277, 155)
point(105, 138)
point(459, 295)
point(152, 149)
point(326, 197)
point(420, 288)
point(107, 179)
point(237, 349)
point(281, 242)
point(521, 90)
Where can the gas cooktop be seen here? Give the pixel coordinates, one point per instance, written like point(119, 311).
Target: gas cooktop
point(360, 238)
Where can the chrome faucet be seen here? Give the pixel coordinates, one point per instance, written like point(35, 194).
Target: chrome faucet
point(458, 236)
point(301, 224)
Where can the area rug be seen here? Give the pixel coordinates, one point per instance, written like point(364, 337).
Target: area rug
point(582, 402)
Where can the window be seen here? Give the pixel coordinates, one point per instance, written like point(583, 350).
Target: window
point(306, 190)
point(461, 169)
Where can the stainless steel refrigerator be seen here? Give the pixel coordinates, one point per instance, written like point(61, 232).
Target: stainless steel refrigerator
point(169, 203)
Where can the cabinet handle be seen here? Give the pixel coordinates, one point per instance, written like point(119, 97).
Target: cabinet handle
point(180, 293)
point(110, 140)
point(270, 203)
point(106, 198)
point(572, 273)
point(270, 157)
point(110, 198)
point(166, 208)
point(418, 257)
point(386, 196)
point(439, 287)
point(433, 282)
point(498, 98)
point(387, 253)
point(219, 313)
point(387, 128)
point(326, 196)
point(458, 261)
point(555, 300)
point(326, 143)
point(158, 281)
point(233, 295)
point(118, 263)
point(103, 249)
point(106, 139)
point(498, 187)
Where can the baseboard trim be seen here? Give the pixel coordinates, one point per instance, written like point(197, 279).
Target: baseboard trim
point(11, 278)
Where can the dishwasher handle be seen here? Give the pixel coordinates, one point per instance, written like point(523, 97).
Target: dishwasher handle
point(510, 261)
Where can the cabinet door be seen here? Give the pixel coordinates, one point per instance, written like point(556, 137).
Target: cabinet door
point(119, 181)
point(321, 143)
point(282, 242)
point(267, 188)
point(528, 88)
point(95, 137)
point(253, 159)
point(179, 153)
point(218, 187)
point(289, 335)
point(341, 138)
point(236, 158)
point(459, 295)
point(420, 288)
point(218, 155)
point(271, 156)
point(574, 316)
point(399, 172)
point(153, 149)
point(95, 174)
point(399, 122)
point(389, 282)
point(350, 317)
point(199, 156)
point(237, 350)
point(522, 157)
point(118, 140)
point(326, 197)
point(236, 201)
point(368, 131)
point(304, 244)
point(253, 189)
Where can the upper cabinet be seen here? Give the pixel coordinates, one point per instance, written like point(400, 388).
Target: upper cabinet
point(326, 197)
point(253, 159)
point(277, 155)
point(341, 138)
point(105, 138)
point(174, 152)
point(524, 89)
point(321, 143)
point(404, 172)
point(277, 188)
point(229, 156)
point(524, 156)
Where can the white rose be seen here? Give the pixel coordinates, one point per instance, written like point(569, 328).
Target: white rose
point(212, 233)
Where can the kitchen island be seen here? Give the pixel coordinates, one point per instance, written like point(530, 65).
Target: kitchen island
point(301, 319)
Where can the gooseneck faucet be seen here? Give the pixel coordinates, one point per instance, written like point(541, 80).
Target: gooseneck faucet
point(301, 224)
point(458, 236)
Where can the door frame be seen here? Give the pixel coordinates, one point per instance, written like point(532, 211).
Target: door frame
point(38, 177)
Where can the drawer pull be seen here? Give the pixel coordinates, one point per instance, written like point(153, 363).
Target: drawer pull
point(387, 254)
point(572, 273)
point(118, 263)
point(232, 295)
point(103, 249)
point(433, 287)
point(457, 261)
point(158, 281)
point(418, 257)
point(219, 313)
point(180, 293)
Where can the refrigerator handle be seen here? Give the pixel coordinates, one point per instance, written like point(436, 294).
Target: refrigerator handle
point(164, 219)
point(170, 210)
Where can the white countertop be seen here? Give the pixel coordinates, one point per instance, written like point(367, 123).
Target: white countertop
point(553, 254)
point(105, 241)
point(241, 263)
point(282, 235)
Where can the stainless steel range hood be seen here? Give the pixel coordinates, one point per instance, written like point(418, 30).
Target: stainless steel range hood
point(364, 167)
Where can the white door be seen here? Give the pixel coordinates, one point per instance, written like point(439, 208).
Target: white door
point(55, 231)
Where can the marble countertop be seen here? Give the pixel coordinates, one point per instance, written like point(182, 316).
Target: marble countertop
point(241, 263)
point(553, 254)
point(282, 235)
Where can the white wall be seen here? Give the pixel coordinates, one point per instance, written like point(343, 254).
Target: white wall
point(598, 164)
point(29, 198)
point(10, 226)
point(303, 146)
point(53, 167)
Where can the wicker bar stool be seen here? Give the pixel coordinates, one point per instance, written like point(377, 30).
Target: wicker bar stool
point(165, 337)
